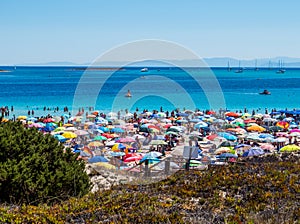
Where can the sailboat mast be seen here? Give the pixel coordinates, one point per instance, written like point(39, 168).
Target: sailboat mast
point(228, 66)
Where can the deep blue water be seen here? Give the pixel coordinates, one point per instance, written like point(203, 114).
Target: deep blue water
point(35, 87)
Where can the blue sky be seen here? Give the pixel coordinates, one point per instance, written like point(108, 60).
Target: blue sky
point(79, 31)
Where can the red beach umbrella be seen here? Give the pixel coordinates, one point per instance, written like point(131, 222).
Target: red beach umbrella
point(232, 114)
point(167, 125)
point(283, 124)
point(212, 137)
point(249, 121)
point(210, 112)
point(48, 120)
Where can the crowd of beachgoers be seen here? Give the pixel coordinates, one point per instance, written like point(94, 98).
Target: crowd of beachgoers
point(124, 139)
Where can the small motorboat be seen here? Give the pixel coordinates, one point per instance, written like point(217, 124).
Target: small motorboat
point(144, 70)
point(265, 92)
point(128, 94)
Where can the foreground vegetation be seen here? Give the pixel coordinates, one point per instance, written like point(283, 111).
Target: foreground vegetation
point(256, 191)
point(35, 169)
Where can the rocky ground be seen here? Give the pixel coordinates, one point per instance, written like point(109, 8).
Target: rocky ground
point(258, 190)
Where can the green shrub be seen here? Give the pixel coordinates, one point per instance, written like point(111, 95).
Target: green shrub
point(35, 169)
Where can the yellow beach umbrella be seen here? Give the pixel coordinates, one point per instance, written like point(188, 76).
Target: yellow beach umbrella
point(256, 128)
point(4, 120)
point(68, 125)
point(22, 118)
point(69, 135)
point(290, 148)
point(105, 165)
point(95, 144)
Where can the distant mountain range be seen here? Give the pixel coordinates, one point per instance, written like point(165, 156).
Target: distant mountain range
point(261, 62)
point(288, 62)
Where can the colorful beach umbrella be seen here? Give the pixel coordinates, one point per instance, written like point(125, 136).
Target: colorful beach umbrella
point(290, 148)
point(81, 132)
point(227, 136)
point(222, 150)
point(232, 114)
point(200, 124)
point(60, 138)
point(100, 138)
point(69, 135)
point(97, 159)
point(256, 128)
point(107, 135)
point(275, 128)
point(283, 124)
point(59, 129)
point(227, 155)
point(126, 140)
point(172, 133)
point(117, 147)
point(117, 130)
point(95, 144)
point(22, 118)
point(267, 147)
point(254, 151)
point(158, 142)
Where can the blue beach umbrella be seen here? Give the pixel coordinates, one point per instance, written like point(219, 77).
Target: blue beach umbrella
point(60, 138)
point(117, 130)
point(227, 155)
point(153, 154)
point(230, 118)
point(241, 146)
point(195, 120)
point(182, 115)
point(97, 159)
point(104, 129)
point(150, 159)
point(227, 136)
point(117, 154)
point(254, 151)
point(181, 121)
point(33, 119)
point(265, 136)
point(200, 124)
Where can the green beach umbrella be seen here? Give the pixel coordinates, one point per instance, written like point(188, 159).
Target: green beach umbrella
point(171, 133)
point(290, 148)
point(59, 129)
point(158, 142)
point(100, 138)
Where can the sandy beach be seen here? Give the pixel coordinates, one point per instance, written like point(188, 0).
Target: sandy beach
point(131, 142)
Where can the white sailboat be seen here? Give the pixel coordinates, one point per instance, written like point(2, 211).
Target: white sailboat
point(256, 68)
point(240, 70)
point(280, 70)
point(228, 67)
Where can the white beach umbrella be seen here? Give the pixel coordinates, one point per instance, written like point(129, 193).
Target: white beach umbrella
point(128, 115)
point(140, 137)
point(71, 129)
point(166, 120)
point(269, 119)
point(281, 139)
point(112, 114)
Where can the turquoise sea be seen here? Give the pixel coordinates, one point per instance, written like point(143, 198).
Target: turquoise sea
point(34, 87)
